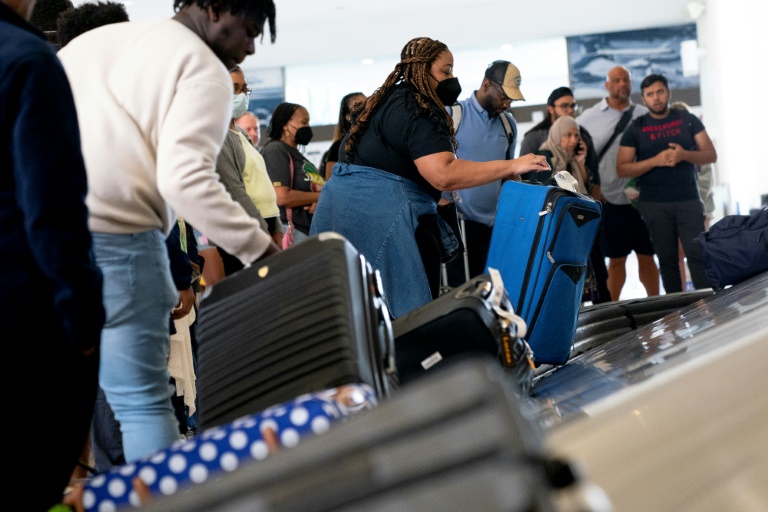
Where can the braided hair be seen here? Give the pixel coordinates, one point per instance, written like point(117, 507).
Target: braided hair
point(257, 11)
point(413, 69)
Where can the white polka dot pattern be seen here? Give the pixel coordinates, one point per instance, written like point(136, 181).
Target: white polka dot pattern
point(223, 448)
point(299, 416)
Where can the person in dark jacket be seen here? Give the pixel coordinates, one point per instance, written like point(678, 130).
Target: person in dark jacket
point(50, 286)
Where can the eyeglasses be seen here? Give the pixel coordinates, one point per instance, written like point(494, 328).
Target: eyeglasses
point(247, 91)
point(567, 106)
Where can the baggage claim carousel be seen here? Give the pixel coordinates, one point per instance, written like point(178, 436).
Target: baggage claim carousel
point(670, 414)
point(662, 406)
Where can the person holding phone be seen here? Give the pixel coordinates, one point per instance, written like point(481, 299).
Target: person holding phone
point(561, 103)
point(566, 152)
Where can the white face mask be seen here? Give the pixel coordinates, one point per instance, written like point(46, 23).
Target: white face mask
point(239, 105)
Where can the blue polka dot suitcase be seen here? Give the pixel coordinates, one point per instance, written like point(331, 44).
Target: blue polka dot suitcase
point(308, 318)
point(224, 449)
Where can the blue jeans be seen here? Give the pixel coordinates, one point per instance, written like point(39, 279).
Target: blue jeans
point(138, 297)
point(379, 213)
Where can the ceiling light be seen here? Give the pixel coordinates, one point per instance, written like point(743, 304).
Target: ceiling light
point(695, 9)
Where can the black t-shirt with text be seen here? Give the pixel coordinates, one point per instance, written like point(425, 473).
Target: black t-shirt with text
point(650, 136)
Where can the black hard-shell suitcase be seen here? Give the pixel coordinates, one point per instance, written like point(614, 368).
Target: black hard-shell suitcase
point(311, 317)
point(456, 440)
point(476, 317)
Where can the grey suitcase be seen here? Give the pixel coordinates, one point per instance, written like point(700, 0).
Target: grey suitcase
point(456, 439)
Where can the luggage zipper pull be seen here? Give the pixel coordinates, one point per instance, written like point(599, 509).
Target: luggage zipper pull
point(529, 356)
point(546, 210)
point(549, 255)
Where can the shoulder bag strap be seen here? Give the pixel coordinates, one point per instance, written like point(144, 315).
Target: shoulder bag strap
point(289, 211)
point(623, 122)
point(456, 116)
point(510, 133)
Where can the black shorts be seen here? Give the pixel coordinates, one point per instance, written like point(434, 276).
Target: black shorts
point(622, 230)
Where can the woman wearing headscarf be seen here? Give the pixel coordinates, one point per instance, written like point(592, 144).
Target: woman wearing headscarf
point(398, 157)
point(566, 150)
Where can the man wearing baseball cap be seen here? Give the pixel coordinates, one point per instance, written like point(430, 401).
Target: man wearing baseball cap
point(485, 131)
point(507, 75)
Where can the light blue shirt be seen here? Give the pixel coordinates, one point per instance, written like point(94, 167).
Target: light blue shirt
point(482, 138)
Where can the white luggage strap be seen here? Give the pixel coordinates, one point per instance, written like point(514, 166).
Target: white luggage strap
point(498, 294)
point(566, 181)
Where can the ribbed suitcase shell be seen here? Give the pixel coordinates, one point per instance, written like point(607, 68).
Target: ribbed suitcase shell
point(541, 240)
point(308, 318)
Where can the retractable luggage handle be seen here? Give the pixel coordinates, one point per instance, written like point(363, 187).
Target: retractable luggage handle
point(384, 355)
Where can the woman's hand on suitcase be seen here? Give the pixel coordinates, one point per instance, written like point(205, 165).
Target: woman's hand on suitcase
point(529, 162)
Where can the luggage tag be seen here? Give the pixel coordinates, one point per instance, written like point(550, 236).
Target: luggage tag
point(566, 181)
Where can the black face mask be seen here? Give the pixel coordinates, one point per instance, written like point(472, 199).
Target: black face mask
point(448, 91)
point(303, 135)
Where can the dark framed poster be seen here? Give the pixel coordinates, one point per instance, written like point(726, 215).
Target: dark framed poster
point(643, 52)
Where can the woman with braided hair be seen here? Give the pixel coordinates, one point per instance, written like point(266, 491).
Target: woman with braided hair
point(399, 156)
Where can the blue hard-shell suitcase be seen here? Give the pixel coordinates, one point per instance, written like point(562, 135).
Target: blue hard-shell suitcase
point(541, 240)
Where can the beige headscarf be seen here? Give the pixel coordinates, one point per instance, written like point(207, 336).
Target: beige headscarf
point(562, 160)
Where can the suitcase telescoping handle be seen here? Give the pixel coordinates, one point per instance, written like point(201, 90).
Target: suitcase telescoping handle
point(384, 348)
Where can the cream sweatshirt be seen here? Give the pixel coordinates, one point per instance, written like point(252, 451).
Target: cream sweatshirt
point(154, 104)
